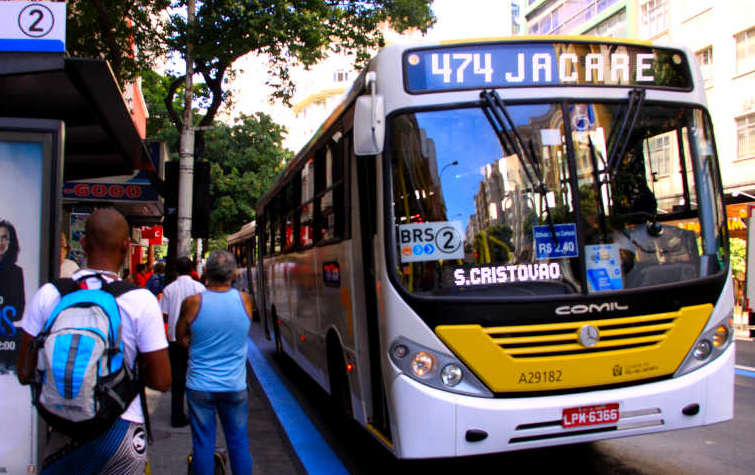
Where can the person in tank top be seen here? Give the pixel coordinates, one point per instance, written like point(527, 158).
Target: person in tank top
point(214, 326)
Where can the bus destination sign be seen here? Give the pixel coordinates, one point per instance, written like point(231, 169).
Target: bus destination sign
point(492, 65)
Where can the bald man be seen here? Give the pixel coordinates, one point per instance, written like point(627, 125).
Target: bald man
point(123, 448)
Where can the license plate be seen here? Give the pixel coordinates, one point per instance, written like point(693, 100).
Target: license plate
point(590, 415)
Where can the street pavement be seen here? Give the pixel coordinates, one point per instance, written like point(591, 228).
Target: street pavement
point(271, 451)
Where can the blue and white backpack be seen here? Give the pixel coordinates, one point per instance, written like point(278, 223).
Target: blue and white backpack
point(82, 383)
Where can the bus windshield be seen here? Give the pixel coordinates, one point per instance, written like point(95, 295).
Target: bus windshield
point(538, 199)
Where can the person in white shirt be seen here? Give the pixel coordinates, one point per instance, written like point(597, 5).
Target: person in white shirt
point(173, 295)
point(107, 244)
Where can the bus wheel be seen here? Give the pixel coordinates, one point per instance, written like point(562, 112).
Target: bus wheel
point(340, 394)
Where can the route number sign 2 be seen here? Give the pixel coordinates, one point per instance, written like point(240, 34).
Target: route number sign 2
point(33, 27)
point(431, 241)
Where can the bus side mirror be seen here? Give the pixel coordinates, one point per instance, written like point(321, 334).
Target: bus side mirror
point(369, 125)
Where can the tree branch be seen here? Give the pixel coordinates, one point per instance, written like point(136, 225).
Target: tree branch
point(168, 100)
point(107, 33)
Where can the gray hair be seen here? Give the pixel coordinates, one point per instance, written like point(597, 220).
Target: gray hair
point(220, 266)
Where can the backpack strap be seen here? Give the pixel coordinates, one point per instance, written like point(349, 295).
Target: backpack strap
point(119, 287)
point(65, 286)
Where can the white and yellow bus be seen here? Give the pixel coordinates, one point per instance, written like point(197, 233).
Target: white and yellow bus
point(507, 244)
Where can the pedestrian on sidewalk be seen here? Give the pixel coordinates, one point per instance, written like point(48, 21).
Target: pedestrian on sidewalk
point(122, 448)
point(173, 296)
point(214, 326)
point(156, 282)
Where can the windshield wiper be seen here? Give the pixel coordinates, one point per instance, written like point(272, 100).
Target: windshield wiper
point(618, 140)
point(500, 120)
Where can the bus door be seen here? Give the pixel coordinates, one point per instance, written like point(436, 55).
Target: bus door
point(365, 226)
point(333, 249)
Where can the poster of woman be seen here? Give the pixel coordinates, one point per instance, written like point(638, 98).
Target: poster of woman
point(21, 165)
point(12, 297)
point(21, 237)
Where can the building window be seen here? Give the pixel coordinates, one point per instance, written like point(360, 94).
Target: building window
point(705, 60)
point(746, 136)
point(658, 150)
point(341, 75)
point(654, 17)
point(614, 26)
point(745, 51)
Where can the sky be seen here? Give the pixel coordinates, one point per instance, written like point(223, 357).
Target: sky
point(455, 19)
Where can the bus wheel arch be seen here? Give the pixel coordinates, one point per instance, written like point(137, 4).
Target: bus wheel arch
point(340, 388)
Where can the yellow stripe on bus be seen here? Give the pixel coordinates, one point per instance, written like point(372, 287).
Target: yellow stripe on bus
point(517, 359)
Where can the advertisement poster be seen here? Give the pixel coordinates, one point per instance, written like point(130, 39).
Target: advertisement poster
point(20, 234)
point(77, 227)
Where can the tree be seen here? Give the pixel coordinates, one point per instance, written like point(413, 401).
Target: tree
point(127, 33)
point(245, 158)
point(288, 32)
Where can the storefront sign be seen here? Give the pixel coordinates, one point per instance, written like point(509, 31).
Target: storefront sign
point(109, 191)
point(33, 27)
point(153, 235)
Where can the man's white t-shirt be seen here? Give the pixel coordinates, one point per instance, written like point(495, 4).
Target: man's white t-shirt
point(141, 323)
point(174, 295)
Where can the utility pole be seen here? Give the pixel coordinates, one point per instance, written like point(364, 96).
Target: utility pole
point(186, 153)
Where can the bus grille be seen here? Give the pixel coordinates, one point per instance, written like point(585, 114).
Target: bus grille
point(553, 357)
point(561, 339)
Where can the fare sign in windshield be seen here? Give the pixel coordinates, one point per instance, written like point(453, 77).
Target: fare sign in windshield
point(544, 64)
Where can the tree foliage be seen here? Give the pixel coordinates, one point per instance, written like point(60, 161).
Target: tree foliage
point(292, 32)
point(127, 33)
point(244, 158)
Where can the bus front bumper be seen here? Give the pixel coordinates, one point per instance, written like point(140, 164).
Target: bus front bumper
point(432, 423)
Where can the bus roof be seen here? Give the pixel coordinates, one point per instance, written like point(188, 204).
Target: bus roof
point(243, 234)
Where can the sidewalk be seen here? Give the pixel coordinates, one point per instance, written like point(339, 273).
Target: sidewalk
point(271, 452)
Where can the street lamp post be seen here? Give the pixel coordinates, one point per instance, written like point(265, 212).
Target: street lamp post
point(454, 163)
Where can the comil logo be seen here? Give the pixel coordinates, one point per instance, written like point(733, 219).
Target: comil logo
point(581, 309)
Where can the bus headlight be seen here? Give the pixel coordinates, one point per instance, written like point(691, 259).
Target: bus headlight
point(702, 349)
point(721, 336)
point(422, 364)
point(451, 375)
point(709, 345)
point(438, 370)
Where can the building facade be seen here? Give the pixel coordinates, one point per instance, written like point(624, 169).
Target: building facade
point(721, 34)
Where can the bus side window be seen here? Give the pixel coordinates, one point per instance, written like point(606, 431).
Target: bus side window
point(275, 226)
point(332, 212)
point(306, 211)
point(290, 208)
point(252, 250)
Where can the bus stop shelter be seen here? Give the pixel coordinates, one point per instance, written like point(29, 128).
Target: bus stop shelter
point(62, 120)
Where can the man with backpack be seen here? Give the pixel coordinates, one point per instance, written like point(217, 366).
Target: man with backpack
point(89, 344)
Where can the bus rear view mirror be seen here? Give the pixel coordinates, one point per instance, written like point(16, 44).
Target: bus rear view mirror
point(369, 125)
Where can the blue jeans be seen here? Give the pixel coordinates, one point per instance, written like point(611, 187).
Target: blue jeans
point(233, 409)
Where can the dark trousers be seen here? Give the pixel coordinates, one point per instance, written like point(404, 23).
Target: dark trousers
point(179, 358)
